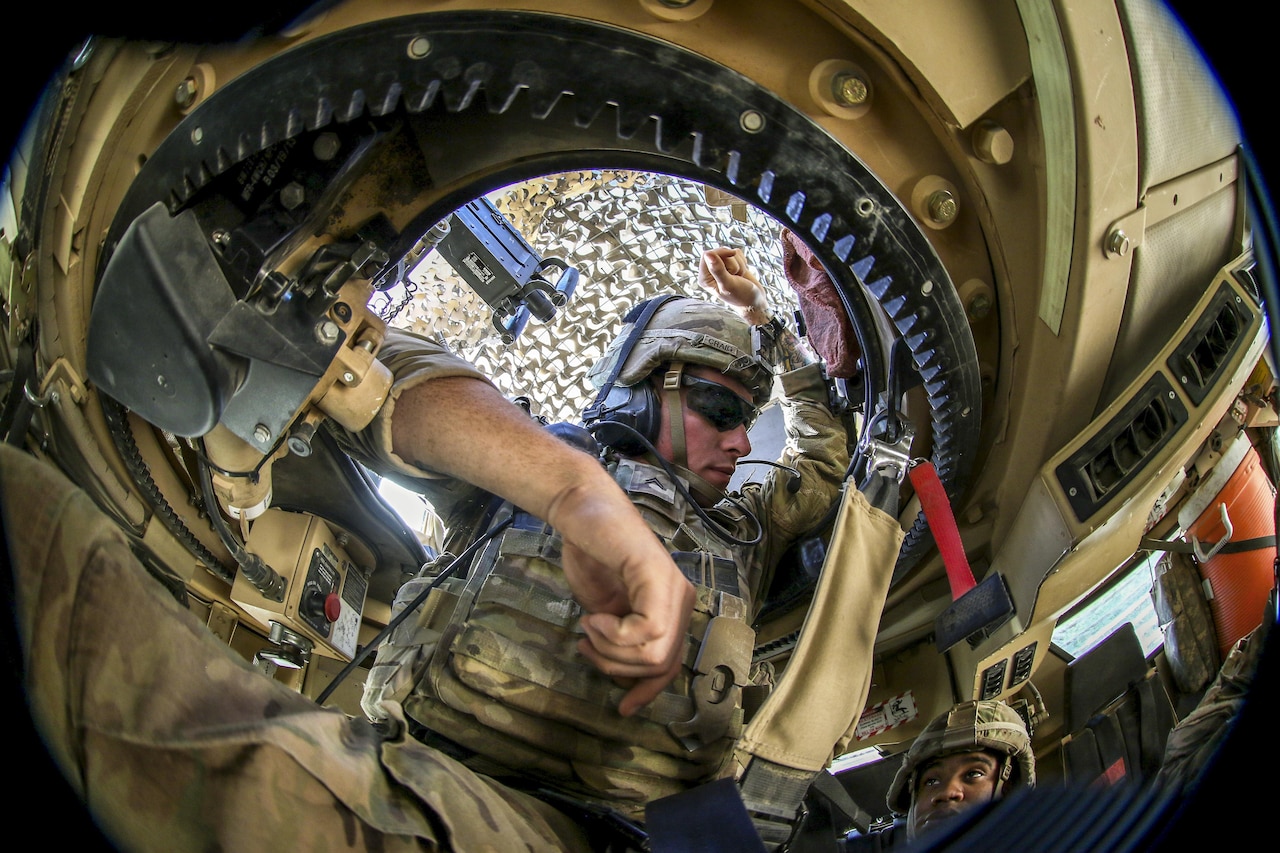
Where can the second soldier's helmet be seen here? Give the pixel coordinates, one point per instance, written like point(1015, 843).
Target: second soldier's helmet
point(977, 724)
point(667, 330)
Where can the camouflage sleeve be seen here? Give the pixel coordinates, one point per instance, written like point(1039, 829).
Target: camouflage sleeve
point(817, 447)
point(412, 359)
point(170, 738)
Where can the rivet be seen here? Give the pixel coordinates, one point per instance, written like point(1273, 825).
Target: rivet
point(752, 121)
point(419, 47)
point(326, 146)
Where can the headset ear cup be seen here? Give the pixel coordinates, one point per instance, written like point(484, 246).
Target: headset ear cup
point(649, 411)
point(638, 409)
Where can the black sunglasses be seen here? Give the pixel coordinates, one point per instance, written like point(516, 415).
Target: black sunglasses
point(722, 407)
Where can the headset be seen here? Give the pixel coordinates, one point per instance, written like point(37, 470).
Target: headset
point(635, 408)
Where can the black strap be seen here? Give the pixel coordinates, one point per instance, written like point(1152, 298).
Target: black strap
point(639, 316)
point(15, 417)
point(829, 786)
point(1238, 546)
point(703, 819)
point(1153, 731)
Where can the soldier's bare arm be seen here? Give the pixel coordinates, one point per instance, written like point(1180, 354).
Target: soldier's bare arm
point(637, 603)
point(725, 273)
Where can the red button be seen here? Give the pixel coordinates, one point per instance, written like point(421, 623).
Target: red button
point(332, 607)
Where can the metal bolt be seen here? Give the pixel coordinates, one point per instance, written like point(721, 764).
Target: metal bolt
point(185, 94)
point(979, 306)
point(262, 433)
point(348, 377)
point(752, 121)
point(849, 89)
point(942, 206)
point(327, 332)
point(292, 194)
point(300, 439)
point(926, 288)
point(992, 143)
point(1118, 243)
point(221, 238)
point(419, 47)
point(197, 134)
point(326, 146)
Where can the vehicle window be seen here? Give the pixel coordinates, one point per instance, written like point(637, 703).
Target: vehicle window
point(858, 758)
point(1128, 599)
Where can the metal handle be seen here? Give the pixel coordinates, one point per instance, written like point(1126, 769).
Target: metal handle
point(1226, 537)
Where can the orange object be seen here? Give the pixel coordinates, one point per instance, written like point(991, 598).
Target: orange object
point(1240, 581)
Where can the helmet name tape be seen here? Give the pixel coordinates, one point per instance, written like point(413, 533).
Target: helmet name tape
point(716, 343)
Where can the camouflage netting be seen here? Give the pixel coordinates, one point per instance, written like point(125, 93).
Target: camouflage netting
point(629, 235)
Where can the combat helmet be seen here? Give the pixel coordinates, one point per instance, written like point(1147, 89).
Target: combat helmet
point(686, 330)
point(668, 331)
point(977, 724)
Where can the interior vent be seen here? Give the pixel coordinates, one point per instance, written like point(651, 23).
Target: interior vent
point(1113, 458)
point(993, 679)
point(1204, 353)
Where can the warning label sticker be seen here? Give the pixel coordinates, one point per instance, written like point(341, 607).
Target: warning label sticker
point(477, 266)
point(887, 715)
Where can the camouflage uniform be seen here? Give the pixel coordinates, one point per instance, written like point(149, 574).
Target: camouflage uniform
point(491, 662)
point(1197, 737)
point(175, 743)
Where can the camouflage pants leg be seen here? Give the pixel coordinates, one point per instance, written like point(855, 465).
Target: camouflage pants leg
point(175, 743)
point(1196, 738)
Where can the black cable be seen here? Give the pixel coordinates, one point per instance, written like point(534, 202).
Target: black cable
point(793, 482)
point(448, 571)
point(264, 578)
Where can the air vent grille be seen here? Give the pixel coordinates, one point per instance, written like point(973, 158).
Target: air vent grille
point(1115, 456)
point(993, 679)
point(1204, 353)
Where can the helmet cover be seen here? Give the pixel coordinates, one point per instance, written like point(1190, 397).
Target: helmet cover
point(690, 331)
point(968, 726)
